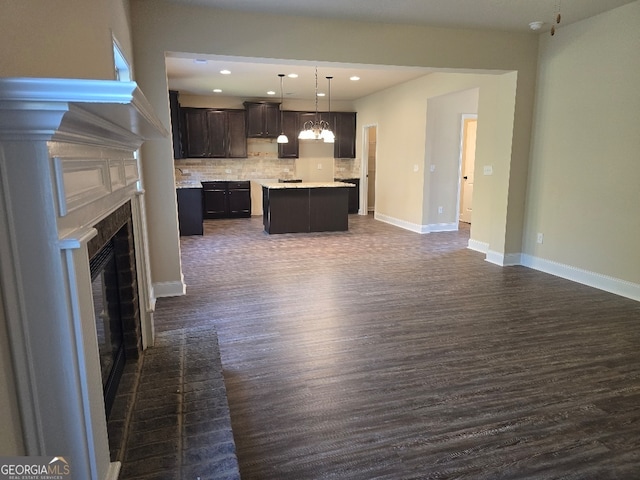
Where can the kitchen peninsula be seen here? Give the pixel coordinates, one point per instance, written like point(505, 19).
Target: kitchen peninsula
point(305, 207)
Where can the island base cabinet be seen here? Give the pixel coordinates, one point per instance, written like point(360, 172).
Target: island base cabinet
point(295, 210)
point(328, 209)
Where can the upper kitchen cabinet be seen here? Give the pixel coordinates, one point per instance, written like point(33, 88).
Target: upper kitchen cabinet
point(263, 119)
point(344, 128)
point(212, 133)
point(176, 124)
point(291, 128)
point(343, 125)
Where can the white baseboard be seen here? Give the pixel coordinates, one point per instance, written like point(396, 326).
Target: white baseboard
point(169, 289)
point(114, 471)
point(478, 246)
point(585, 277)
point(440, 227)
point(504, 260)
point(414, 227)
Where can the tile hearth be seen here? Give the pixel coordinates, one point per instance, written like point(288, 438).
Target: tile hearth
point(175, 399)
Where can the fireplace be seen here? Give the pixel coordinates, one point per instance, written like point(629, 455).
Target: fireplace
point(115, 298)
point(71, 185)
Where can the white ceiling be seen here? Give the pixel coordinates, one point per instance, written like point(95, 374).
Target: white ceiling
point(252, 77)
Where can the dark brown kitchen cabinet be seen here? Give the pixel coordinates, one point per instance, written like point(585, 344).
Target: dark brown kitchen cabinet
point(344, 128)
point(213, 133)
point(343, 125)
point(354, 193)
point(263, 119)
point(176, 123)
point(189, 211)
point(291, 129)
point(226, 199)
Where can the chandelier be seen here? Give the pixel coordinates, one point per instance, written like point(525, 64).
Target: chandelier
point(318, 129)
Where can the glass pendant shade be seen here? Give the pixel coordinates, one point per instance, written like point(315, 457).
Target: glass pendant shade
point(318, 129)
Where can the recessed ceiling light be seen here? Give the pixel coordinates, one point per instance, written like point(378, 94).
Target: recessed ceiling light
point(320, 94)
point(271, 92)
point(225, 72)
point(293, 75)
point(200, 61)
point(355, 78)
point(217, 90)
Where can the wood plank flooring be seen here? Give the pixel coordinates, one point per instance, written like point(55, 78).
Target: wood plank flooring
point(379, 353)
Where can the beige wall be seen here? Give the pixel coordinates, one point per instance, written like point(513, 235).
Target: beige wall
point(62, 38)
point(401, 115)
point(584, 182)
point(161, 27)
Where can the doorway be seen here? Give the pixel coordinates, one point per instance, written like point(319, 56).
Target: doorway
point(469, 129)
point(369, 169)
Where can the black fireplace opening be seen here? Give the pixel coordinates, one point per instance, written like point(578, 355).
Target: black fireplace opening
point(107, 308)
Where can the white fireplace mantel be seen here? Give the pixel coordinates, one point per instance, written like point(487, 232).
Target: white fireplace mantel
point(68, 158)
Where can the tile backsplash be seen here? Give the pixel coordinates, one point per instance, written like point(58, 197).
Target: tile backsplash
point(262, 163)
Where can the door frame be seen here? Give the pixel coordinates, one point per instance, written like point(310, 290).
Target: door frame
point(364, 167)
point(463, 118)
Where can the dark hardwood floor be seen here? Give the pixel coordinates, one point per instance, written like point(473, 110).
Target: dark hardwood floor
point(379, 353)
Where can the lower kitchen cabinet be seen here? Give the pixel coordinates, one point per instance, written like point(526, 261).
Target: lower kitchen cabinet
point(189, 211)
point(226, 199)
point(354, 193)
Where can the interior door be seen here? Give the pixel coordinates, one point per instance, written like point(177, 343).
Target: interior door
point(468, 154)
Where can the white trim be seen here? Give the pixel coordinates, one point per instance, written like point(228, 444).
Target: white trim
point(169, 289)
point(114, 471)
point(464, 116)
point(503, 259)
point(440, 227)
point(592, 279)
point(413, 227)
point(478, 246)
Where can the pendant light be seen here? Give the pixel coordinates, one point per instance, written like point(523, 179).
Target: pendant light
point(282, 138)
point(317, 129)
point(327, 134)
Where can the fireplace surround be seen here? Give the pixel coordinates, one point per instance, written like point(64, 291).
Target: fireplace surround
point(68, 167)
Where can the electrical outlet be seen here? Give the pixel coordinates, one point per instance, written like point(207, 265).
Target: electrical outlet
point(487, 170)
point(319, 166)
point(286, 170)
point(416, 168)
point(540, 238)
point(432, 168)
point(228, 170)
point(440, 209)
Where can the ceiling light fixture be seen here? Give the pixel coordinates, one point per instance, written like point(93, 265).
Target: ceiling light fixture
point(225, 72)
point(355, 78)
point(282, 138)
point(535, 26)
point(318, 129)
point(293, 75)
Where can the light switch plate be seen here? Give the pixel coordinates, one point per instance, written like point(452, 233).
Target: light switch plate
point(488, 170)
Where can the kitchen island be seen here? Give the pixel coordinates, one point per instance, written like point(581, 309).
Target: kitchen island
point(305, 207)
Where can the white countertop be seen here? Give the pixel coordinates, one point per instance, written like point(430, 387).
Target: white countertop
point(282, 186)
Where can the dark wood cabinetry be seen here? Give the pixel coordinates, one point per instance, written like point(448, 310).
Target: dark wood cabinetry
point(263, 119)
point(226, 199)
point(190, 210)
point(212, 133)
point(344, 128)
point(354, 193)
point(343, 125)
point(176, 124)
point(291, 128)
